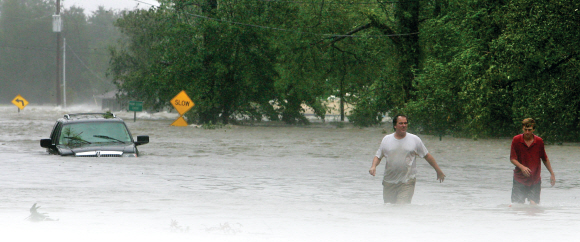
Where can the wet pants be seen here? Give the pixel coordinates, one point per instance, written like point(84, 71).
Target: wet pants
point(399, 193)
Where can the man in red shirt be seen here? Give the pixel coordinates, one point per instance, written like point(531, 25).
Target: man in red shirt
point(526, 152)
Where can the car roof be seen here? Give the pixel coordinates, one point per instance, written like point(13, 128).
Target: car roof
point(89, 117)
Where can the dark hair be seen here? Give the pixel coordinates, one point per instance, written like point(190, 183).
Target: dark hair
point(396, 118)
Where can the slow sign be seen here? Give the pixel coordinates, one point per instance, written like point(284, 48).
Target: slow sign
point(182, 103)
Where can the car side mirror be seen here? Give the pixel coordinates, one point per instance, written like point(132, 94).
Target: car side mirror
point(46, 143)
point(142, 139)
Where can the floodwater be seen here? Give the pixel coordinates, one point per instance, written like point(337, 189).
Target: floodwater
point(268, 183)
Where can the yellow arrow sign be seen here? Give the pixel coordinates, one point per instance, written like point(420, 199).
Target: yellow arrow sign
point(179, 122)
point(19, 101)
point(182, 103)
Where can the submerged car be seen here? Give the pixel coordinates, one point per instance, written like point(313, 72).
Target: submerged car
point(92, 135)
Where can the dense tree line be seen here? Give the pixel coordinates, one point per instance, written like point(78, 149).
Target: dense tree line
point(468, 68)
point(28, 51)
point(471, 68)
point(489, 64)
point(247, 59)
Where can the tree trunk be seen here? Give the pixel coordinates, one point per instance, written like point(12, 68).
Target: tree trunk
point(408, 50)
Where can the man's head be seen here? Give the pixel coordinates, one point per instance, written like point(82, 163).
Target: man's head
point(400, 124)
point(528, 126)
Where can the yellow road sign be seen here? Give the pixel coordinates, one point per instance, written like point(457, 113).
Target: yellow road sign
point(182, 103)
point(19, 101)
point(179, 122)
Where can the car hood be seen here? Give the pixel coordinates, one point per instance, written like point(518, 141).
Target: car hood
point(98, 150)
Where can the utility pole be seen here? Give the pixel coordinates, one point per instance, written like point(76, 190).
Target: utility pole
point(58, 26)
point(342, 89)
point(341, 100)
point(64, 72)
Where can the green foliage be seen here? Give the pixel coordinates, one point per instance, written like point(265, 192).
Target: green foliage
point(469, 68)
point(210, 125)
point(489, 64)
point(539, 51)
point(228, 70)
point(234, 71)
point(71, 138)
point(108, 115)
point(372, 103)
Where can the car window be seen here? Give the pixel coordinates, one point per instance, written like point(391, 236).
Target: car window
point(78, 134)
point(55, 132)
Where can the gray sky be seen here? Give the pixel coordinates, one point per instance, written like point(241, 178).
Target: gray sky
point(92, 5)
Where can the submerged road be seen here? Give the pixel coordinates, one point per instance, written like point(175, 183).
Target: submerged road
point(266, 183)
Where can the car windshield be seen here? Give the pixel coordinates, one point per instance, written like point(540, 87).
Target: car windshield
point(79, 134)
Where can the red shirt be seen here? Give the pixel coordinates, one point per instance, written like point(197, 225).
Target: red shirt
point(529, 157)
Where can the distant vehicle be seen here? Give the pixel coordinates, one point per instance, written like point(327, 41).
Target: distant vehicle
point(92, 135)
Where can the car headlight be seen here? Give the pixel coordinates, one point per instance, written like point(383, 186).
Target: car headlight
point(130, 155)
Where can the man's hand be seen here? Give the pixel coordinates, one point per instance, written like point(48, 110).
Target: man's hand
point(429, 158)
point(373, 171)
point(553, 179)
point(440, 176)
point(526, 171)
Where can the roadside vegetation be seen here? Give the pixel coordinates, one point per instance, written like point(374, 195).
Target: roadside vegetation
point(469, 68)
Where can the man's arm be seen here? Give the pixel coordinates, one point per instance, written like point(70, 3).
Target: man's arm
point(433, 163)
point(525, 170)
point(514, 159)
point(373, 169)
point(549, 167)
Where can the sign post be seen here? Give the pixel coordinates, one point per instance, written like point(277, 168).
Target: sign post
point(182, 103)
point(135, 106)
point(20, 102)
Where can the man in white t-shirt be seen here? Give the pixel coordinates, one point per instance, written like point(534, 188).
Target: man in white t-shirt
point(401, 150)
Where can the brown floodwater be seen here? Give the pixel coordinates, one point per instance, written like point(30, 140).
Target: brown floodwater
point(269, 182)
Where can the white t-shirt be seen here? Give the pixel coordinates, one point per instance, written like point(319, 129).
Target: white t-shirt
point(401, 155)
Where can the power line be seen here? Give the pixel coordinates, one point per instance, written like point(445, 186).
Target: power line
point(302, 32)
point(83, 63)
point(338, 3)
point(249, 25)
point(297, 31)
point(52, 48)
point(25, 20)
point(28, 48)
point(145, 3)
point(313, 2)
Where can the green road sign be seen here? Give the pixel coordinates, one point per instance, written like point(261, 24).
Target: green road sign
point(135, 106)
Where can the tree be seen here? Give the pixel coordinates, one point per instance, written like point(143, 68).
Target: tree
point(539, 54)
point(390, 87)
point(489, 64)
point(101, 35)
point(228, 69)
point(464, 68)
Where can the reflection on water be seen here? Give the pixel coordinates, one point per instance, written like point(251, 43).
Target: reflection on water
point(273, 183)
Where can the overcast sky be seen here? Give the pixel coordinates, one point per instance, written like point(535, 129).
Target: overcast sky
point(92, 5)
